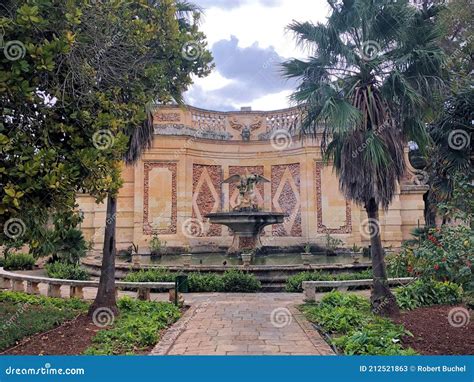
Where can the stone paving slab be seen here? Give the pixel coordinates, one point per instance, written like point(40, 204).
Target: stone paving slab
point(243, 324)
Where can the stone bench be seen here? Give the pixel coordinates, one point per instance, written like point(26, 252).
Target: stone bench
point(309, 287)
point(16, 282)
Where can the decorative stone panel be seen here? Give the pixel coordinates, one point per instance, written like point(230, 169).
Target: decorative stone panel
point(286, 198)
point(207, 197)
point(167, 117)
point(160, 202)
point(344, 228)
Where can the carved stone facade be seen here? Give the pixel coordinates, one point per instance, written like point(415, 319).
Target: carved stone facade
point(157, 210)
point(322, 228)
point(207, 180)
point(179, 180)
point(286, 198)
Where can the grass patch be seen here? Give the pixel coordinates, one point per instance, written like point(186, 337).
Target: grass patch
point(136, 328)
point(22, 315)
point(354, 330)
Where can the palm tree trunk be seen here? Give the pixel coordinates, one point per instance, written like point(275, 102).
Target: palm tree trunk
point(382, 300)
point(106, 292)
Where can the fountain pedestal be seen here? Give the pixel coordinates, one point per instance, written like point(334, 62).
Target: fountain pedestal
point(246, 226)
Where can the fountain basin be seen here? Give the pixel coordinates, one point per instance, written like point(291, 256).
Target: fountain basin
point(246, 223)
point(246, 226)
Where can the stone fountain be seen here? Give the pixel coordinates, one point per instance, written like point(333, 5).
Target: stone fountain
point(247, 220)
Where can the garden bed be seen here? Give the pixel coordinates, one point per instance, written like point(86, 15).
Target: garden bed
point(347, 323)
point(433, 334)
point(38, 325)
point(71, 338)
point(22, 315)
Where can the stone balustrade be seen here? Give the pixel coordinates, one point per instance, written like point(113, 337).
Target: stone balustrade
point(309, 287)
point(208, 120)
point(17, 281)
point(201, 123)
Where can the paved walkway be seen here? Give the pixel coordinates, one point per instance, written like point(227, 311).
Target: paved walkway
point(235, 324)
point(238, 324)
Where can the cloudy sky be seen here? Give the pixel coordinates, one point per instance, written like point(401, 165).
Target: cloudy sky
point(248, 39)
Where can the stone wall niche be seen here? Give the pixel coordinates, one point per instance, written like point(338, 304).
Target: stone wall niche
point(159, 208)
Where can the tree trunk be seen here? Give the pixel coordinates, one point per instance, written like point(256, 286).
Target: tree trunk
point(382, 300)
point(430, 210)
point(106, 292)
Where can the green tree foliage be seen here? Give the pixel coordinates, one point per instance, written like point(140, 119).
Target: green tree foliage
point(449, 160)
point(79, 96)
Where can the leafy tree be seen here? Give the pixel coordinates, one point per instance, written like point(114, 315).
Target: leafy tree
point(372, 73)
point(86, 88)
point(45, 147)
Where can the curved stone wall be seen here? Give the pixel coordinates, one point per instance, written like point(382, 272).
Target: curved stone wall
point(179, 180)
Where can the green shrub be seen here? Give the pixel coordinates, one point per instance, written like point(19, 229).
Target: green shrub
point(205, 282)
point(379, 336)
point(425, 292)
point(66, 271)
point(349, 300)
point(150, 275)
point(19, 261)
point(354, 328)
point(339, 319)
point(135, 329)
point(238, 281)
point(468, 299)
point(444, 254)
point(30, 299)
point(294, 283)
point(230, 281)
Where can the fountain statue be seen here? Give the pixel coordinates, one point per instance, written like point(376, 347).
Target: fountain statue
point(247, 220)
point(247, 200)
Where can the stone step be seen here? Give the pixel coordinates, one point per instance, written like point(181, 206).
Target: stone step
point(273, 287)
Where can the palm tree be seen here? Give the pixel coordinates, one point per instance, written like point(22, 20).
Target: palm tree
point(452, 154)
point(372, 72)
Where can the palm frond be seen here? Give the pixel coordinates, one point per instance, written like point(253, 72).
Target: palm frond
point(367, 105)
point(141, 139)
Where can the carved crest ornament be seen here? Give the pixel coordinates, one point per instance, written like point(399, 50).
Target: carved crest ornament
point(246, 129)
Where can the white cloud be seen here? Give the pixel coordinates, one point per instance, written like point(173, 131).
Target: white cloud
point(263, 22)
point(273, 101)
